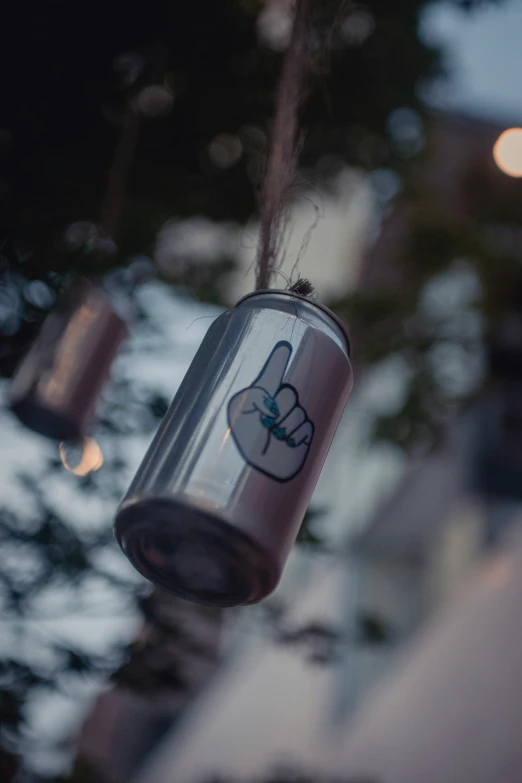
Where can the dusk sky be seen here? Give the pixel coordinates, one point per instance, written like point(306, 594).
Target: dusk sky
point(485, 57)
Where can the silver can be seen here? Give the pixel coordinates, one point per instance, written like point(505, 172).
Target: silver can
point(219, 498)
point(56, 386)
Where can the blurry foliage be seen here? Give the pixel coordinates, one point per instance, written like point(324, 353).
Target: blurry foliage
point(156, 663)
point(433, 244)
point(61, 138)
point(390, 325)
point(309, 534)
point(73, 76)
point(322, 643)
point(206, 283)
point(486, 239)
point(48, 570)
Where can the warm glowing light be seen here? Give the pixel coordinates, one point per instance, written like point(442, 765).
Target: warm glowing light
point(508, 152)
point(91, 457)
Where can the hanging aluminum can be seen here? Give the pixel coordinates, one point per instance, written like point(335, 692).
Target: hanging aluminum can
point(55, 388)
point(219, 498)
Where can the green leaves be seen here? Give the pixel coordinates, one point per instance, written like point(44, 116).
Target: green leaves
point(309, 534)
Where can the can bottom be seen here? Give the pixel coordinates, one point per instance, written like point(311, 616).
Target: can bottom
point(45, 421)
point(194, 554)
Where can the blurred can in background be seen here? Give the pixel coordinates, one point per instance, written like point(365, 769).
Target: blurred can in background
point(219, 498)
point(55, 388)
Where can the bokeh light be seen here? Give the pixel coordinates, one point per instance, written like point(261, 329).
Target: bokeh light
point(274, 26)
point(10, 310)
point(225, 150)
point(406, 131)
point(89, 238)
point(39, 294)
point(155, 100)
point(507, 152)
point(357, 27)
point(81, 458)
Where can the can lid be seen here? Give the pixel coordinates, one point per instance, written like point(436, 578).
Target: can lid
point(294, 295)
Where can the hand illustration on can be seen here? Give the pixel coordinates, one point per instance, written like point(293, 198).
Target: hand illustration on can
point(270, 428)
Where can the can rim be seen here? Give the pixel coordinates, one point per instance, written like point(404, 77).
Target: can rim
point(294, 295)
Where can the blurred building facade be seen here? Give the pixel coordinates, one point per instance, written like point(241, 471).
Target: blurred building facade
point(406, 533)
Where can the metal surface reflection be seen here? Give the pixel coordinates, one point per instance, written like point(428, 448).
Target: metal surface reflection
point(218, 500)
point(56, 386)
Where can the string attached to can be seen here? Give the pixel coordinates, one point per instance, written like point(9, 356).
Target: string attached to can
point(284, 146)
